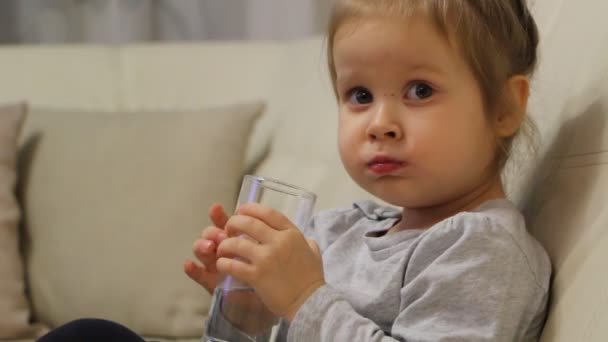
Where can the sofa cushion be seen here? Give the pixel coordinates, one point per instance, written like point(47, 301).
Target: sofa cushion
point(14, 306)
point(112, 206)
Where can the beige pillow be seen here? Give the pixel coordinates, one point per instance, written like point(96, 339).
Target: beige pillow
point(14, 307)
point(113, 204)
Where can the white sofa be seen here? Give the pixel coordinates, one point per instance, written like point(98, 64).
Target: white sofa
point(563, 189)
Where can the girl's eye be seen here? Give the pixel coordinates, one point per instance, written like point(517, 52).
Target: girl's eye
point(420, 91)
point(360, 96)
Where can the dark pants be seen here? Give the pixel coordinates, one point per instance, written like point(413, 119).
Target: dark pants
point(91, 330)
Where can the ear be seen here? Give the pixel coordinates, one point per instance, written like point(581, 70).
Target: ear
point(510, 118)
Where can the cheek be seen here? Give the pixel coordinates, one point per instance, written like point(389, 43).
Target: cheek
point(348, 142)
point(463, 137)
point(345, 141)
point(473, 143)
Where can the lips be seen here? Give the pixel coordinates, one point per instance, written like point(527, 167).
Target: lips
point(383, 165)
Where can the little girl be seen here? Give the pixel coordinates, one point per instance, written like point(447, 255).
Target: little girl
point(431, 94)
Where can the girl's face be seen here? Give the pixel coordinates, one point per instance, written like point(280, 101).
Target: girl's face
point(412, 127)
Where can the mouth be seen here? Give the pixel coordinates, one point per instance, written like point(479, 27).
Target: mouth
point(383, 165)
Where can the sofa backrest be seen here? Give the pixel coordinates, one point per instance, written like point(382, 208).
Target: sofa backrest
point(568, 191)
point(73, 77)
point(145, 77)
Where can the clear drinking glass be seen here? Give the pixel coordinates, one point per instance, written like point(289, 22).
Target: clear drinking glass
point(236, 313)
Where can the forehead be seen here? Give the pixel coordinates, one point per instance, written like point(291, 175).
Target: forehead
point(393, 40)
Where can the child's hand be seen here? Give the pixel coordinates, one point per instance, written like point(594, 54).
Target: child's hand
point(281, 265)
point(205, 249)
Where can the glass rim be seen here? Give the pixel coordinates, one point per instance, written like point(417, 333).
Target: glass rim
point(280, 186)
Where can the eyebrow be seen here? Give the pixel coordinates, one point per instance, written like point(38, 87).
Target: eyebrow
point(426, 67)
point(417, 67)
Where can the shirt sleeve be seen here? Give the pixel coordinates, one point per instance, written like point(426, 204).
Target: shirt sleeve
point(462, 283)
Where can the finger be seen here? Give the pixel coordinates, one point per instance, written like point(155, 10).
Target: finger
point(238, 247)
point(214, 234)
point(236, 268)
point(218, 215)
point(252, 227)
point(205, 250)
point(270, 216)
point(200, 275)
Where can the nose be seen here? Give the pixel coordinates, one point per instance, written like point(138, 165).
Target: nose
point(384, 126)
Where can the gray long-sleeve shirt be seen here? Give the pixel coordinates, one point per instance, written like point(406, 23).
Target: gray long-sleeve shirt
point(476, 276)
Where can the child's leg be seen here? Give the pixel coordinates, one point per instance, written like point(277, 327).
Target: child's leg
point(91, 330)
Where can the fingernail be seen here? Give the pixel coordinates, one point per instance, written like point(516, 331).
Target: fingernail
point(207, 245)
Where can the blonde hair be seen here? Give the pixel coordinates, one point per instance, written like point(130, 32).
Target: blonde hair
point(497, 38)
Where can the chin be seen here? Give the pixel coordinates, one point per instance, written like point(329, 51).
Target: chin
point(399, 201)
point(383, 188)
point(401, 195)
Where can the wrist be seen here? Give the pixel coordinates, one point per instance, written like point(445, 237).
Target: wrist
point(299, 302)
